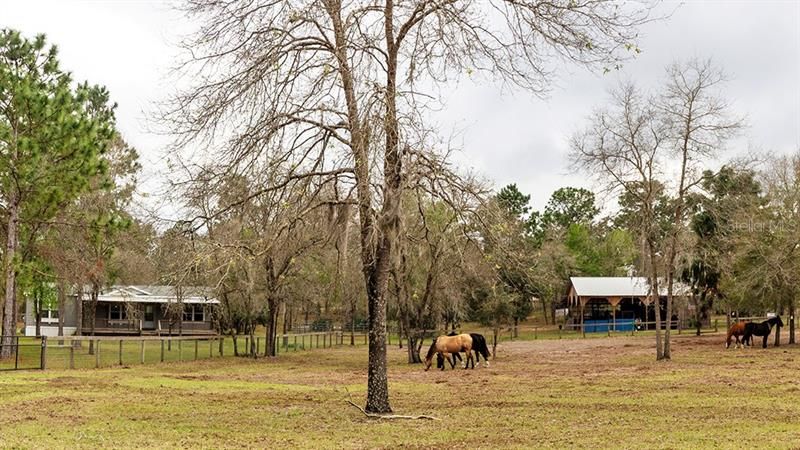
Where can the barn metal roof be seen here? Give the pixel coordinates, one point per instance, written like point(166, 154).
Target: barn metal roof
point(155, 294)
point(619, 287)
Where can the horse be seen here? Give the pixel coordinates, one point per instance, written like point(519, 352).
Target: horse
point(450, 345)
point(736, 330)
point(761, 329)
point(478, 344)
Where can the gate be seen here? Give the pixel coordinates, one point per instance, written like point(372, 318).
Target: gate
point(26, 353)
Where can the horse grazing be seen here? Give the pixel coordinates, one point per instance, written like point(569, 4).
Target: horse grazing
point(450, 345)
point(478, 344)
point(761, 329)
point(736, 330)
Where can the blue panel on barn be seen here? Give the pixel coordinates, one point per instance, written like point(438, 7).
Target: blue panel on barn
point(602, 326)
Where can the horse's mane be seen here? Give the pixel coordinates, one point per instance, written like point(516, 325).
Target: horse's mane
point(431, 350)
point(774, 320)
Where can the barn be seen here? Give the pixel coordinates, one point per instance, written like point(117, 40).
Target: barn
point(601, 304)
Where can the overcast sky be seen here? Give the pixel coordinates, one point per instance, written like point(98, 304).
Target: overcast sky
point(513, 137)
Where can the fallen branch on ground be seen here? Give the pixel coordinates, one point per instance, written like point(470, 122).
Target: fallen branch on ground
point(386, 416)
point(390, 416)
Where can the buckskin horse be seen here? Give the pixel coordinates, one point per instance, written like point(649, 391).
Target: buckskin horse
point(478, 345)
point(449, 345)
point(761, 329)
point(736, 330)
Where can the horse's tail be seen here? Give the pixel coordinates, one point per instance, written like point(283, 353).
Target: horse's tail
point(431, 350)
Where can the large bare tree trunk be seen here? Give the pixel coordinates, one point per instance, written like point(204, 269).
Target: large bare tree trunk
point(93, 311)
point(272, 326)
point(9, 303)
point(37, 312)
point(656, 298)
point(62, 299)
point(791, 320)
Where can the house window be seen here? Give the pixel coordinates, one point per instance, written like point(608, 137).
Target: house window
point(193, 313)
point(49, 315)
point(117, 312)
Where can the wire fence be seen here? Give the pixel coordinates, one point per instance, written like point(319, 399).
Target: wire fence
point(85, 352)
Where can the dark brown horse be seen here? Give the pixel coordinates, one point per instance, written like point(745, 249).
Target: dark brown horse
point(736, 330)
point(762, 329)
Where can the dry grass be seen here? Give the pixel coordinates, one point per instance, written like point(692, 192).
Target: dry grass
point(546, 393)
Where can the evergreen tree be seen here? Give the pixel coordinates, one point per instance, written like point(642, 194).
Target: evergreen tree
point(52, 136)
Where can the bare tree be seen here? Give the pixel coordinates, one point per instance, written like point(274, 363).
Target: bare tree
point(630, 148)
point(345, 80)
point(699, 124)
point(623, 148)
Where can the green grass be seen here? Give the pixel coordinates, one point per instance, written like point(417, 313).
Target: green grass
point(543, 393)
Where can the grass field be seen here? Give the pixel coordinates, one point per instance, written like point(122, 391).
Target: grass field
point(545, 393)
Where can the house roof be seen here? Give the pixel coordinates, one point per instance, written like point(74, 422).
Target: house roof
point(156, 294)
point(619, 287)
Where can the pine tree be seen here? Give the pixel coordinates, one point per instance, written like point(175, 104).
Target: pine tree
point(52, 135)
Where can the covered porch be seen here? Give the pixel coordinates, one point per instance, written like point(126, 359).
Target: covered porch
point(149, 310)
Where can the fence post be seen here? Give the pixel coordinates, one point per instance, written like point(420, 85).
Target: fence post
point(211, 348)
point(258, 345)
point(43, 363)
point(196, 343)
point(162, 350)
point(16, 353)
point(180, 350)
point(141, 351)
point(96, 353)
point(71, 356)
point(120, 352)
point(295, 342)
point(222, 346)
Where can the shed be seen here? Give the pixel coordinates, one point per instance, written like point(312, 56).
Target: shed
point(617, 302)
